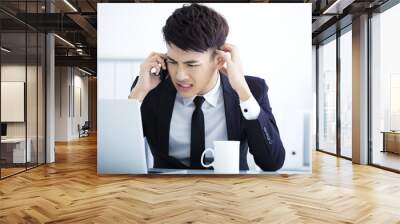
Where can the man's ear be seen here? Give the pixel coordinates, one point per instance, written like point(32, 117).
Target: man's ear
point(220, 61)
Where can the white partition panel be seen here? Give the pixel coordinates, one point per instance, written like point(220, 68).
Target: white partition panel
point(12, 101)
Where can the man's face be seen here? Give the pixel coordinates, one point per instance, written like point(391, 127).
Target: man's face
point(192, 73)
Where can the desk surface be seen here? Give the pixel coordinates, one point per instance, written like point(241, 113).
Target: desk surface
point(208, 172)
point(390, 132)
point(13, 140)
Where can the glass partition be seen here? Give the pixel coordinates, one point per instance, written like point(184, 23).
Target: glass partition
point(13, 103)
point(22, 88)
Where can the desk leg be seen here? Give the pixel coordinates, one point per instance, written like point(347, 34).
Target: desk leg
point(384, 142)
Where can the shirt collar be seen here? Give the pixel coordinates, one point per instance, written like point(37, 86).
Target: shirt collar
point(211, 97)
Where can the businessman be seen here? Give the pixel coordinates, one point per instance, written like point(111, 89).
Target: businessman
point(205, 96)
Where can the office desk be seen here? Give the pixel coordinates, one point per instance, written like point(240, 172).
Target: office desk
point(391, 141)
point(13, 150)
point(211, 172)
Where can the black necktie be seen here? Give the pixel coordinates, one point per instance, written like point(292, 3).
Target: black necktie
point(197, 137)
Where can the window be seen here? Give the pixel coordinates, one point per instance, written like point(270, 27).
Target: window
point(385, 88)
point(327, 96)
point(346, 93)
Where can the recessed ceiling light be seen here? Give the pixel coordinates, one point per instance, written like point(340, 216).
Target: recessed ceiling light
point(70, 5)
point(5, 50)
point(337, 7)
point(64, 40)
point(84, 71)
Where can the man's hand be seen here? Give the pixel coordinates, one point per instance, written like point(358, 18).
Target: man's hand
point(147, 81)
point(234, 70)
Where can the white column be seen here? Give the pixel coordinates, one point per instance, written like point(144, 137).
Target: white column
point(50, 100)
point(360, 90)
point(50, 92)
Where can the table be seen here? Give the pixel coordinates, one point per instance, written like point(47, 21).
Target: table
point(209, 172)
point(16, 147)
point(391, 141)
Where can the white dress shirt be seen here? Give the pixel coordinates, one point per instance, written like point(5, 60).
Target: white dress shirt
point(214, 121)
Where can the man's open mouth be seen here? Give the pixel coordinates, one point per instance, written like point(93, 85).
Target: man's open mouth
point(184, 86)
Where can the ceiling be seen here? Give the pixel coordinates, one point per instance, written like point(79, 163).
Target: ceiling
point(76, 22)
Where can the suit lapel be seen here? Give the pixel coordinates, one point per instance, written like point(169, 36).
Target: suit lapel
point(166, 107)
point(232, 109)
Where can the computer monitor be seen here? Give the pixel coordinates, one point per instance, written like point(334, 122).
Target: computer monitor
point(3, 129)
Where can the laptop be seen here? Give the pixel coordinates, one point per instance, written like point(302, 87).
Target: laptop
point(120, 140)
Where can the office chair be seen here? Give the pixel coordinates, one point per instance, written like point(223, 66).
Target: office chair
point(84, 130)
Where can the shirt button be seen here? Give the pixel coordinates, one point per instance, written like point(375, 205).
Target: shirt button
point(245, 110)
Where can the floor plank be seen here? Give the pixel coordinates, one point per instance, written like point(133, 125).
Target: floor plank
point(70, 191)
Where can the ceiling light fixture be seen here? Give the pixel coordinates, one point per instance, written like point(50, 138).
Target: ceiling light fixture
point(84, 71)
point(70, 5)
point(337, 7)
point(65, 41)
point(5, 50)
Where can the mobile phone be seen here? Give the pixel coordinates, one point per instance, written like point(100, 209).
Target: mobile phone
point(163, 72)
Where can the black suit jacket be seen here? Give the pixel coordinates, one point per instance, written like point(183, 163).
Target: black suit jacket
point(260, 136)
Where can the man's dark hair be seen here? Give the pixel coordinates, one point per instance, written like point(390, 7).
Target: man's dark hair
point(195, 27)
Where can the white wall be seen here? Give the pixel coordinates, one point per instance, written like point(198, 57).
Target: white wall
point(274, 42)
point(80, 83)
point(12, 100)
point(67, 117)
point(61, 103)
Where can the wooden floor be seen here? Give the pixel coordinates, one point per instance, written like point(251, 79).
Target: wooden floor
point(70, 191)
point(5, 172)
point(386, 159)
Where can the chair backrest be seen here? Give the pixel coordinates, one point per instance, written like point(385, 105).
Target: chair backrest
point(86, 125)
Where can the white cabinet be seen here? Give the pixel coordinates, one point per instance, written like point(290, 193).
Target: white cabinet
point(18, 149)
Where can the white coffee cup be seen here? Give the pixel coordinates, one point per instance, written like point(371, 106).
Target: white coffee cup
point(226, 157)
